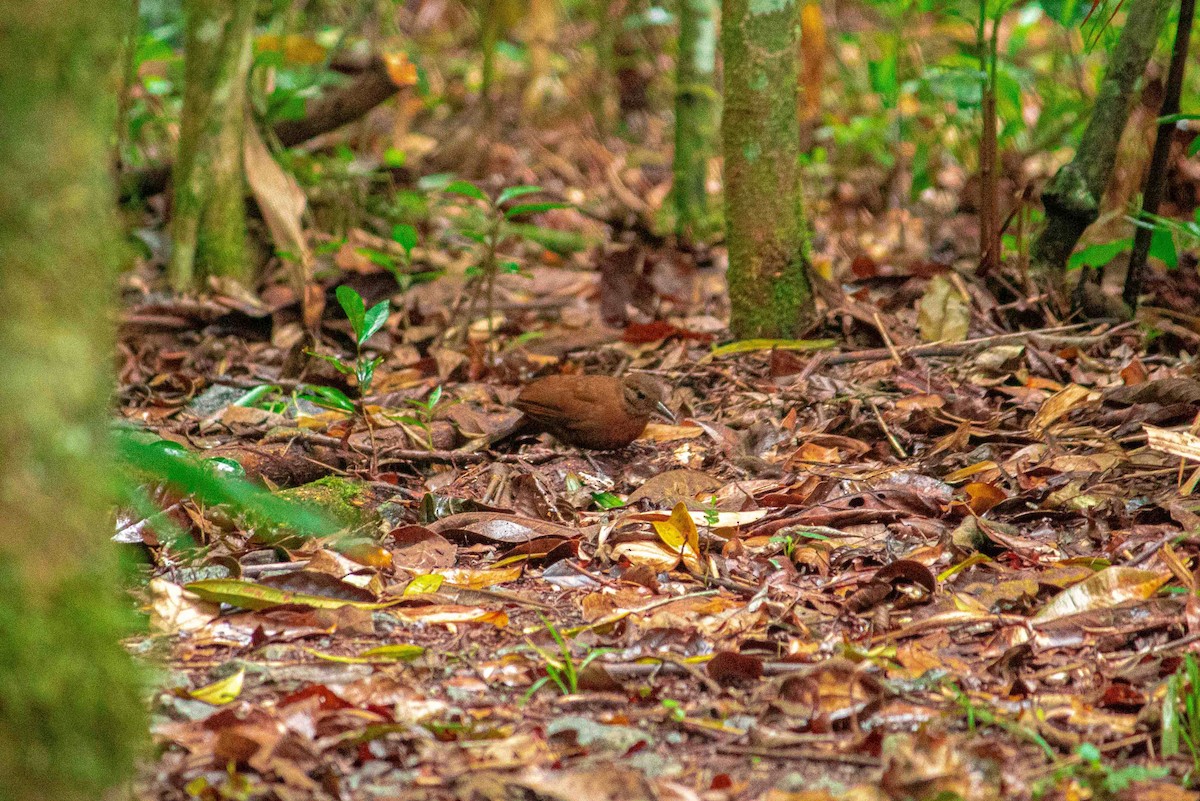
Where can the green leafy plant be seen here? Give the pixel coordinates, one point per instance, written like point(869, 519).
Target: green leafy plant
point(1101, 780)
point(1181, 714)
point(365, 323)
point(489, 222)
point(561, 669)
point(674, 709)
point(422, 416)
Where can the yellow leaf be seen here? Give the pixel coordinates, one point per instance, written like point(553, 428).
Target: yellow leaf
point(430, 582)
point(384, 653)
point(751, 345)
point(679, 533)
point(481, 579)
point(221, 692)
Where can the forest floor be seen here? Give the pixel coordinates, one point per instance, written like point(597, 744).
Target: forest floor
point(860, 568)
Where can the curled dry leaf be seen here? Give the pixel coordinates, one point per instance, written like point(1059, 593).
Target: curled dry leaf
point(1108, 588)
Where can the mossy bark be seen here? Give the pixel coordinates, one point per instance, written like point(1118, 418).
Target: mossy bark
point(767, 236)
point(70, 716)
point(695, 114)
point(208, 225)
point(1072, 198)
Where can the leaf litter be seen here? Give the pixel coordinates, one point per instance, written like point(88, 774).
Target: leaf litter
point(938, 559)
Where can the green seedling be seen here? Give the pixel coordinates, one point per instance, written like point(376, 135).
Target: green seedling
point(1181, 715)
point(400, 266)
point(674, 710)
point(365, 323)
point(489, 222)
point(1102, 781)
point(788, 542)
point(561, 669)
point(422, 416)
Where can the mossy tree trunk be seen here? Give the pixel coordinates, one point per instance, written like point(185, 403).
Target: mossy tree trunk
point(766, 233)
point(605, 97)
point(695, 114)
point(1072, 198)
point(70, 716)
point(208, 226)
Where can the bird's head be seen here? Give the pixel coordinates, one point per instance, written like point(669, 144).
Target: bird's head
point(645, 396)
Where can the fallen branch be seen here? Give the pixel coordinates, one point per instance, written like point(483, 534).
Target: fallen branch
point(967, 346)
point(369, 88)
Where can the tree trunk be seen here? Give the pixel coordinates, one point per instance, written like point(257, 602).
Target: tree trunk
point(208, 225)
point(767, 236)
point(70, 716)
point(541, 31)
point(695, 114)
point(1156, 176)
point(1072, 198)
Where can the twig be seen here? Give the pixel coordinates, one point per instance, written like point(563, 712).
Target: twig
point(802, 755)
point(887, 432)
point(693, 671)
point(401, 455)
point(955, 348)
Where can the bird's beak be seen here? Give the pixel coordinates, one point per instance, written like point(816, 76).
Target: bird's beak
point(663, 409)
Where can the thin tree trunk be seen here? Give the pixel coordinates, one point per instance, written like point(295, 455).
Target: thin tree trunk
point(695, 113)
point(1156, 176)
point(208, 226)
point(989, 176)
point(769, 291)
point(1072, 198)
point(541, 31)
point(70, 715)
point(606, 103)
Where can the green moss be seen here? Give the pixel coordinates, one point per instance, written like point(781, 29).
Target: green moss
point(338, 497)
point(71, 721)
point(769, 291)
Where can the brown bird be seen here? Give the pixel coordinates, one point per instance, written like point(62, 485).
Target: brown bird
point(598, 412)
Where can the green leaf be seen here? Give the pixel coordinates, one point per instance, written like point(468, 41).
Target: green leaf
point(751, 345)
point(355, 309)
point(248, 595)
point(378, 257)
point(1170, 718)
point(434, 397)
point(329, 397)
point(374, 319)
point(606, 500)
point(1162, 247)
point(225, 466)
point(256, 394)
point(1098, 255)
point(364, 371)
point(338, 364)
point(394, 157)
point(466, 189)
point(182, 472)
point(400, 652)
point(533, 208)
point(405, 236)
point(515, 192)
